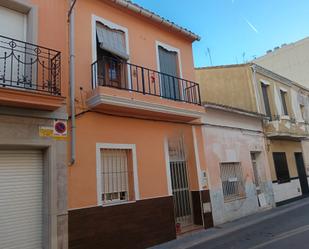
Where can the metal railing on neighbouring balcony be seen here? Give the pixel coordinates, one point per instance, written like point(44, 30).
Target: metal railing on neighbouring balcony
point(29, 67)
point(118, 73)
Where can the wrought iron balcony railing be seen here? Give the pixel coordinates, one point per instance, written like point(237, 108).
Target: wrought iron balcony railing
point(29, 67)
point(117, 73)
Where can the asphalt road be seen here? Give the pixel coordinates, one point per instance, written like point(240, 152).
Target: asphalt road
point(286, 231)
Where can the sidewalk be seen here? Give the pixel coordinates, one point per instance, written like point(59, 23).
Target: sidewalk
point(190, 239)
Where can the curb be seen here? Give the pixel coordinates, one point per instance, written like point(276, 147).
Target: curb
point(186, 242)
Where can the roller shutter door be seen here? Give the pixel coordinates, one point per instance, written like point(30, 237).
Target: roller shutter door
point(21, 199)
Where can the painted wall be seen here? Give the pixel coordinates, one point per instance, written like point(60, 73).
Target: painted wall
point(287, 146)
point(142, 36)
point(274, 87)
point(305, 148)
point(291, 61)
point(214, 82)
point(149, 138)
point(291, 189)
point(52, 32)
point(232, 142)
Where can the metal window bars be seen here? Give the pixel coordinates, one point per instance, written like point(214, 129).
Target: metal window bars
point(29, 67)
point(233, 185)
point(115, 175)
point(118, 73)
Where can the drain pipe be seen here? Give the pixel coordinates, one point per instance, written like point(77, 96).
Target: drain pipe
point(71, 21)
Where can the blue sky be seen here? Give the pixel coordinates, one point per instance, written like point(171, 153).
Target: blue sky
point(235, 31)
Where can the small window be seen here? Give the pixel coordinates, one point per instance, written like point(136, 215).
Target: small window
point(117, 177)
point(283, 100)
point(281, 167)
point(232, 181)
point(266, 100)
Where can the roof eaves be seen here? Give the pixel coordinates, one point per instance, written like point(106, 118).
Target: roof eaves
point(155, 17)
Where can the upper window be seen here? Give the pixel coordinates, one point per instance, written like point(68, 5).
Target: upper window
point(116, 176)
point(281, 167)
point(266, 99)
point(232, 181)
point(283, 100)
point(111, 57)
point(112, 40)
point(170, 86)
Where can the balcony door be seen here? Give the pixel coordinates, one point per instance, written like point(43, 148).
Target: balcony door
point(12, 50)
point(112, 57)
point(169, 67)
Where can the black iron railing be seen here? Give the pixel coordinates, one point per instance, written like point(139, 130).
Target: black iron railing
point(29, 67)
point(114, 72)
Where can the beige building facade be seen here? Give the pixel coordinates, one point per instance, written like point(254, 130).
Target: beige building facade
point(237, 165)
point(289, 60)
point(284, 107)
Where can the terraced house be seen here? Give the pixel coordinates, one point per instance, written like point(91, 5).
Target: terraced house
point(33, 81)
point(284, 105)
point(236, 153)
point(136, 179)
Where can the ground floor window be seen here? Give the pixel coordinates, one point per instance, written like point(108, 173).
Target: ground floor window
point(281, 167)
point(116, 175)
point(232, 181)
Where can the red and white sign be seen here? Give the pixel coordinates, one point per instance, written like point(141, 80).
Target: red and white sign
point(60, 128)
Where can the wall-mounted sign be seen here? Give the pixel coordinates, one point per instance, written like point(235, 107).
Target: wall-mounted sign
point(58, 130)
point(46, 131)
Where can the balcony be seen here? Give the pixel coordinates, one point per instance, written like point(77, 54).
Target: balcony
point(122, 87)
point(30, 75)
point(286, 128)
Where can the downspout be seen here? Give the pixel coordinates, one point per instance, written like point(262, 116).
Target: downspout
point(71, 21)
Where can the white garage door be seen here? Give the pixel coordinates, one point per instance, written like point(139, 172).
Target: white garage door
point(21, 199)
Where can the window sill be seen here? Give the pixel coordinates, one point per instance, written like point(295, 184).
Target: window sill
point(235, 199)
point(285, 117)
point(117, 203)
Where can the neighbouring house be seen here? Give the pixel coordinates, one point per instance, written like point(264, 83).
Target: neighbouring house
point(289, 60)
point(137, 179)
point(236, 156)
point(33, 158)
point(285, 106)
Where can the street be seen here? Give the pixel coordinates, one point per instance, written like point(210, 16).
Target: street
point(285, 231)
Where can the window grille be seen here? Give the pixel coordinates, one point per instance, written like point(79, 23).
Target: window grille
point(232, 181)
point(115, 175)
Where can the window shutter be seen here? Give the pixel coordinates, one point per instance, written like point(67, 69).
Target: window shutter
point(112, 40)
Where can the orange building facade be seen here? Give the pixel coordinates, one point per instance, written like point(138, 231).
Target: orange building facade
point(33, 155)
point(139, 175)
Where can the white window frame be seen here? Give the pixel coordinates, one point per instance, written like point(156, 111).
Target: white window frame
point(111, 25)
point(265, 83)
point(173, 49)
point(285, 91)
point(99, 147)
point(169, 48)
